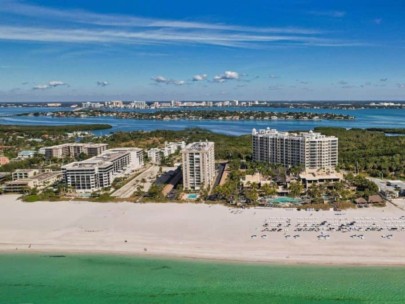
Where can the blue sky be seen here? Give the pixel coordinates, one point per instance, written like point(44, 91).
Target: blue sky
point(202, 50)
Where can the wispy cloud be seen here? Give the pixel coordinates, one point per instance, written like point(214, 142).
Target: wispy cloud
point(383, 79)
point(333, 14)
point(50, 85)
point(57, 83)
point(102, 83)
point(77, 26)
point(164, 80)
point(41, 87)
point(401, 85)
point(85, 17)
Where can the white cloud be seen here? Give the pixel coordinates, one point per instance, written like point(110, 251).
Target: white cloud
point(102, 83)
point(179, 82)
point(162, 79)
point(200, 77)
point(227, 75)
point(51, 84)
point(401, 85)
point(41, 87)
point(56, 83)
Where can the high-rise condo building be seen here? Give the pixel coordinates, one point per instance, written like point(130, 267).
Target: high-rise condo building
point(309, 149)
point(198, 165)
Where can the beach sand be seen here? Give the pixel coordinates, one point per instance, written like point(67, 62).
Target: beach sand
point(194, 231)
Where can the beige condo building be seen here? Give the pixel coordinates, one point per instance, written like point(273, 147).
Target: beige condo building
point(74, 150)
point(310, 149)
point(198, 160)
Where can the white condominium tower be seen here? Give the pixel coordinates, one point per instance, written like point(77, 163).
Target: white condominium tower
point(309, 149)
point(198, 165)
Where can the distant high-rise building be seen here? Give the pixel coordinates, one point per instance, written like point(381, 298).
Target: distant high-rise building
point(198, 165)
point(309, 149)
point(138, 105)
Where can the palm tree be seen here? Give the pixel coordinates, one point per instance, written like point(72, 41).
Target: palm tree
point(268, 190)
point(296, 188)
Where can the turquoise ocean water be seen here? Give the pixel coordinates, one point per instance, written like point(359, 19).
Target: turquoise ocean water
point(100, 279)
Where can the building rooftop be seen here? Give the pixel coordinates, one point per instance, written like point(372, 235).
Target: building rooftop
point(25, 170)
point(78, 145)
point(19, 181)
point(102, 160)
point(320, 174)
point(26, 152)
point(275, 133)
point(40, 177)
point(199, 146)
point(125, 149)
point(46, 175)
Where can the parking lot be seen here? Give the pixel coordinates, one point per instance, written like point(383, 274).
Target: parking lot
point(387, 186)
point(145, 180)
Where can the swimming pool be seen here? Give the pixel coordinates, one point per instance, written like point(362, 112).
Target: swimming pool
point(192, 196)
point(284, 200)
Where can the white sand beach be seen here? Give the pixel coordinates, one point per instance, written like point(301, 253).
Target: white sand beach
point(203, 231)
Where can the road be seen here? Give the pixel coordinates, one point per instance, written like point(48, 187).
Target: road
point(128, 189)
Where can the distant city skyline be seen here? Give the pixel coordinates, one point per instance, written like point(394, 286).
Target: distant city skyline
point(180, 50)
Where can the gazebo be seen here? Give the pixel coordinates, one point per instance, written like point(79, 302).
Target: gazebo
point(360, 202)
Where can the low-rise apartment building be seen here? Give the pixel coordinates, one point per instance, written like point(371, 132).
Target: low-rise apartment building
point(99, 172)
point(173, 147)
point(73, 150)
point(24, 173)
point(156, 155)
point(316, 176)
point(39, 181)
point(25, 154)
